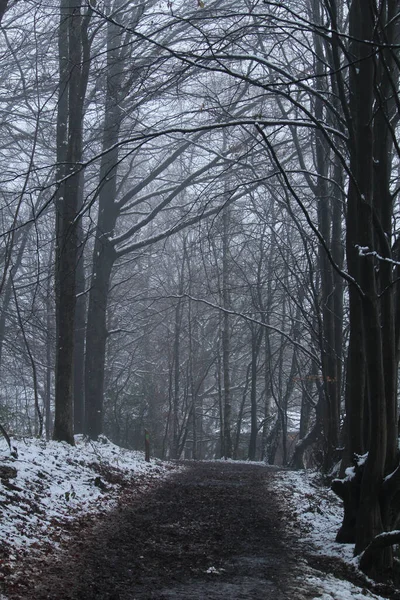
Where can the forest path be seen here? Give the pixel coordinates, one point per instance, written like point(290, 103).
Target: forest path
point(212, 531)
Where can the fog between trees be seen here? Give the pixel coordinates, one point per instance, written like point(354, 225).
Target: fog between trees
point(200, 235)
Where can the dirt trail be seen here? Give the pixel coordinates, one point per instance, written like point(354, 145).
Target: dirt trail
point(214, 531)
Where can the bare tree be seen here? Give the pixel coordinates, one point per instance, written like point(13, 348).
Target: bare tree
point(74, 70)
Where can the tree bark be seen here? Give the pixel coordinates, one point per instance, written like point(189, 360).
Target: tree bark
point(226, 451)
point(256, 339)
point(371, 390)
point(104, 254)
point(67, 241)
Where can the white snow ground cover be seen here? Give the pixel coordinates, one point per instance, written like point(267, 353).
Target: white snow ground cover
point(55, 483)
point(318, 513)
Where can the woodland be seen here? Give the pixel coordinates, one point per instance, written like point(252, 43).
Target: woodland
point(200, 236)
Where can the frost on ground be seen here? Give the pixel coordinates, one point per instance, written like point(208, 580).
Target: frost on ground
point(48, 484)
point(317, 514)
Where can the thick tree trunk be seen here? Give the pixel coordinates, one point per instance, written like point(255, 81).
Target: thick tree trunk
point(49, 367)
point(80, 323)
point(104, 253)
point(96, 339)
point(67, 232)
point(371, 392)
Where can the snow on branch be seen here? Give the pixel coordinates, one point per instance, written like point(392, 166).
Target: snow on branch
point(383, 540)
point(365, 251)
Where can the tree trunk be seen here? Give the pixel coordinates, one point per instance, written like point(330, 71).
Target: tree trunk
point(330, 377)
point(104, 254)
point(176, 378)
point(371, 391)
point(240, 413)
point(226, 335)
point(67, 241)
point(80, 322)
point(256, 339)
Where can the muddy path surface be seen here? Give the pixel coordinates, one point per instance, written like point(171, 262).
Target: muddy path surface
point(213, 531)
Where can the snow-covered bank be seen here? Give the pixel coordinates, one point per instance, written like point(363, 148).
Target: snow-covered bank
point(52, 490)
point(316, 514)
point(49, 484)
point(318, 510)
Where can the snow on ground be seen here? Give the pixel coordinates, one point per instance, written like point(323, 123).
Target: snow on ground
point(49, 484)
point(318, 509)
point(332, 588)
point(54, 482)
point(318, 514)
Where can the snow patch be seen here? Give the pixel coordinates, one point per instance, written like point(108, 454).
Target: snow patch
point(55, 482)
point(318, 512)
